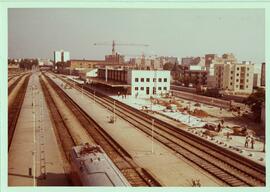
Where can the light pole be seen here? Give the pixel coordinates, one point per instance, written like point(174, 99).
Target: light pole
point(94, 96)
point(34, 136)
point(188, 112)
point(113, 111)
point(82, 90)
point(263, 144)
point(152, 136)
point(151, 102)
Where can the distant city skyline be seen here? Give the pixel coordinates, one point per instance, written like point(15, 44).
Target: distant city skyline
point(36, 33)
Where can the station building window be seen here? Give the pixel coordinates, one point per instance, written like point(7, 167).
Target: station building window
point(247, 86)
point(147, 79)
point(159, 80)
point(154, 79)
point(142, 79)
point(136, 79)
point(165, 80)
point(142, 88)
point(165, 88)
point(136, 88)
point(237, 74)
point(159, 88)
point(237, 80)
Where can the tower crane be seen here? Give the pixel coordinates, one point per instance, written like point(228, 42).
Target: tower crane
point(119, 44)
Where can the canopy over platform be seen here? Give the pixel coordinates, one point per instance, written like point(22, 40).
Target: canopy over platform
point(110, 83)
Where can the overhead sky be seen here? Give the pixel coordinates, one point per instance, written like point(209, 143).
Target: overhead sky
point(169, 32)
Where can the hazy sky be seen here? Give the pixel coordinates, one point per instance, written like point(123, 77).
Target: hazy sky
point(169, 32)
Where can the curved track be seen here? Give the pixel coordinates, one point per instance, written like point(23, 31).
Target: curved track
point(227, 166)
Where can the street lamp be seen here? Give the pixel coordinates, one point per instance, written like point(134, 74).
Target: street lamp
point(113, 111)
point(34, 136)
point(152, 136)
point(189, 112)
point(94, 96)
point(263, 144)
point(82, 90)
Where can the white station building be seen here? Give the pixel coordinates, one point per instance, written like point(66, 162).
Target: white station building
point(139, 83)
point(148, 82)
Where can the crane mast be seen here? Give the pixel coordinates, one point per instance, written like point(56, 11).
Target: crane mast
point(119, 44)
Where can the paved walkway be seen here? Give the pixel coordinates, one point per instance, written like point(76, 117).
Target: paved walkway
point(34, 144)
point(165, 165)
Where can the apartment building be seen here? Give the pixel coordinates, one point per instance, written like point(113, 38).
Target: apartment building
point(189, 61)
point(211, 60)
point(168, 59)
point(236, 78)
point(146, 63)
point(61, 56)
point(84, 64)
point(256, 80)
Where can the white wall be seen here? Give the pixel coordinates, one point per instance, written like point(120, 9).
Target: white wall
point(143, 86)
point(92, 73)
point(66, 56)
point(57, 56)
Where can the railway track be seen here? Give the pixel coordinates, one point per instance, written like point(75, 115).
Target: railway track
point(229, 167)
point(13, 85)
point(134, 174)
point(64, 137)
point(14, 110)
point(10, 78)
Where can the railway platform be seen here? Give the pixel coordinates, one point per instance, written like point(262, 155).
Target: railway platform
point(34, 158)
point(168, 168)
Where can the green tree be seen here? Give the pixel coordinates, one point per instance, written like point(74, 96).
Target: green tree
point(255, 101)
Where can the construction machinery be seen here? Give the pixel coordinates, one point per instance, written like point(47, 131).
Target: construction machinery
point(119, 44)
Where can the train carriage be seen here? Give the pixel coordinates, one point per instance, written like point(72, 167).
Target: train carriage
point(90, 166)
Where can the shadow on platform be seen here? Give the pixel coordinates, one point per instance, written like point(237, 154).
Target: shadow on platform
point(51, 179)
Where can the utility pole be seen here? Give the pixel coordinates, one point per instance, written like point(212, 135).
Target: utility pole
point(82, 91)
point(113, 111)
point(152, 136)
point(189, 112)
point(94, 96)
point(106, 73)
point(34, 136)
